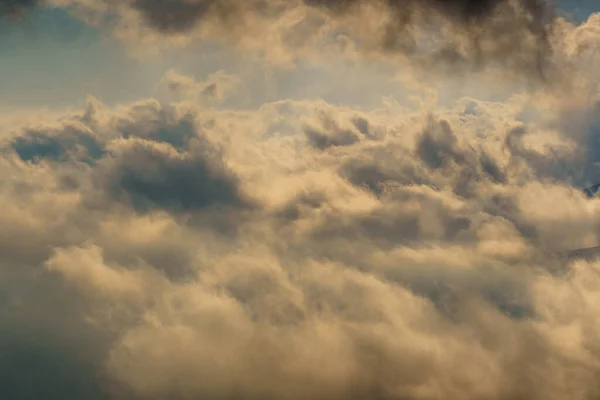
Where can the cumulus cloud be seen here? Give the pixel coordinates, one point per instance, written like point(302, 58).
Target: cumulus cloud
point(179, 248)
point(303, 250)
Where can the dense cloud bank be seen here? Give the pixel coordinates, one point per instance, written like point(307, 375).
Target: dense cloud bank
point(299, 251)
point(181, 248)
point(517, 37)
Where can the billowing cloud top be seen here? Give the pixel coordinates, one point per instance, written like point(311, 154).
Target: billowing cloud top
point(185, 247)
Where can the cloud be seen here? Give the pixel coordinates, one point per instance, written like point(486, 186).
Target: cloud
point(153, 175)
point(13, 8)
point(523, 38)
point(74, 141)
point(301, 250)
point(214, 90)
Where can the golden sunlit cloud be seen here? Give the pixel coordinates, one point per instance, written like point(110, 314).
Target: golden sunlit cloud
point(182, 246)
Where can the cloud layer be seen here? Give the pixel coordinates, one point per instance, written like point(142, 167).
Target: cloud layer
point(301, 250)
point(182, 248)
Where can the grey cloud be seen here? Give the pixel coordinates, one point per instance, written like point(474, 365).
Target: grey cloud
point(175, 16)
point(155, 177)
point(304, 201)
point(330, 134)
point(47, 346)
point(438, 146)
point(421, 219)
point(461, 36)
point(158, 124)
point(150, 159)
point(445, 164)
point(491, 168)
point(365, 127)
point(547, 165)
point(437, 150)
point(13, 7)
point(320, 140)
point(74, 141)
point(592, 190)
point(34, 366)
point(591, 174)
point(381, 165)
point(163, 161)
point(178, 15)
point(506, 207)
point(524, 26)
point(169, 164)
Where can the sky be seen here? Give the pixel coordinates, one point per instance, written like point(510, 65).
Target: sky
point(299, 199)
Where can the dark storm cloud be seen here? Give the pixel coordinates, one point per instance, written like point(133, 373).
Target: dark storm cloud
point(512, 34)
point(178, 16)
point(175, 16)
point(182, 15)
point(465, 11)
point(13, 7)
